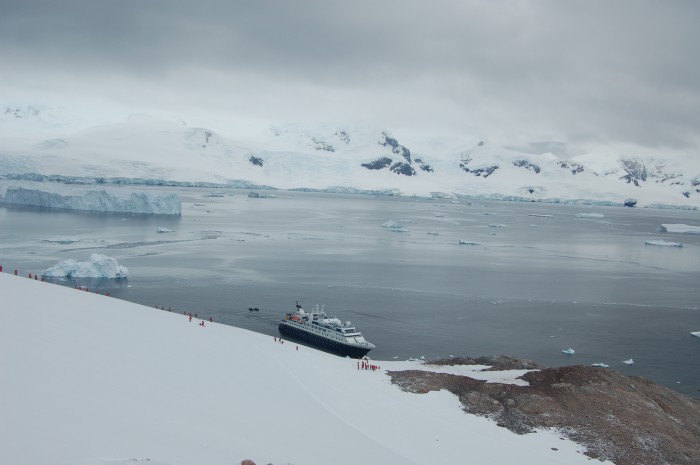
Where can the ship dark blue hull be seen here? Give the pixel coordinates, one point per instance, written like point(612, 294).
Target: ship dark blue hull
point(323, 343)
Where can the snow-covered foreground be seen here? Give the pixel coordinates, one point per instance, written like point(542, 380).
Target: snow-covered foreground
point(88, 379)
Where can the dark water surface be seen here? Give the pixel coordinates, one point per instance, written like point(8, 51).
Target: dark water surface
point(534, 286)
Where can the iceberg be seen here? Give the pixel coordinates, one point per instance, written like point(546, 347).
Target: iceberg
point(679, 228)
point(99, 266)
point(394, 227)
point(569, 351)
point(589, 215)
point(695, 333)
point(102, 201)
point(663, 243)
point(164, 230)
point(628, 362)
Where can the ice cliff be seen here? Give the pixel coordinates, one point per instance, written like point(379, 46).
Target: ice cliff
point(102, 201)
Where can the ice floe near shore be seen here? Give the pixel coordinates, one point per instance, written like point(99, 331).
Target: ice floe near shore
point(663, 243)
point(590, 215)
point(101, 201)
point(99, 266)
point(679, 228)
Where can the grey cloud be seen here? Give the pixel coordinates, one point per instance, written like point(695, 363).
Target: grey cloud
point(575, 72)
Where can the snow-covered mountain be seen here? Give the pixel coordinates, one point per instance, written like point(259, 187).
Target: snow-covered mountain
point(36, 143)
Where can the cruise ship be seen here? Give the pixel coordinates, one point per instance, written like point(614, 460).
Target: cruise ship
point(327, 333)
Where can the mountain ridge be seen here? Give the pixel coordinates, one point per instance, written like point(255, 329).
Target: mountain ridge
point(328, 157)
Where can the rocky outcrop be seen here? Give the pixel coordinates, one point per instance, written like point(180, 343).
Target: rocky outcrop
point(628, 420)
point(527, 165)
point(378, 164)
point(395, 147)
point(319, 144)
point(636, 171)
point(571, 166)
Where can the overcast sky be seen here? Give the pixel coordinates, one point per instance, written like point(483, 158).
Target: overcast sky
point(559, 76)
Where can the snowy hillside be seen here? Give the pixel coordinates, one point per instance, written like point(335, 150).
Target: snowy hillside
point(143, 149)
point(88, 379)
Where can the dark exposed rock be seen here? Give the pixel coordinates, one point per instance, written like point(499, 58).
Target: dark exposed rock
point(572, 166)
point(630, 202)
point(344, 136)
point(686, 194)
point(485, 171)
point(321, 145)
point(636, 171)
point(526, 164)
point(256, 160)
point(378, 164)
point(403, 168)
point(425, 167)
point(628, 420)
point(395, 147)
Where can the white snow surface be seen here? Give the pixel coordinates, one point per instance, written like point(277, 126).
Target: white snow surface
point(98, 266)
point(92, 200)
point(695, 333)
point(88, 379)
point(569, 351)
point(679, 228)
point(331, 159)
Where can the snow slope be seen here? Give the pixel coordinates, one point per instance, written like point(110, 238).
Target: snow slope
point(87, 379)
point(325, 158)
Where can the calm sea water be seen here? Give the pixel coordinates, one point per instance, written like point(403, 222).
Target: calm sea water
point(541, 279)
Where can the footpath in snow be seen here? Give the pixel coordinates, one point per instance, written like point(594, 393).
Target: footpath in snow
point(88, 379)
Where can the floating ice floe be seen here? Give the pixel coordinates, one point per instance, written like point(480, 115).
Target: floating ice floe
point(601, 365)
point(164, 230)
point(497, 225)
point(628, 362)
point(569, 351)
point(679, 228)
point(461, 242)
point(663, 243)
point(589, 215)
point(61, 241)
point(393, 226)
point(539, 215)
point(99, 266)
point(695, 333)
point(433, 233)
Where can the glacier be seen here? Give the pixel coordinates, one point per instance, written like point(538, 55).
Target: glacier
point(98, 266)
point(101, 201)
